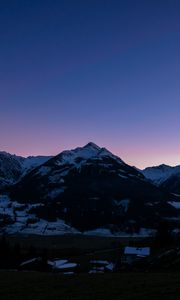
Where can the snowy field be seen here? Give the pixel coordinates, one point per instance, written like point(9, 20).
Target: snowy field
point(22, 221)
point(26, 223)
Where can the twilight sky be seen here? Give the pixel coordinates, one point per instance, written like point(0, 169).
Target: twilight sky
point(107, 71)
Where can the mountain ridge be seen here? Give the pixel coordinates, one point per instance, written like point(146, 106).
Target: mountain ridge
point(89, 187)
point(83, 189)
point(18, 166)
point(157, 174)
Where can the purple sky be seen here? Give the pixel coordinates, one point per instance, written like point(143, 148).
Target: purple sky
point(96, 70)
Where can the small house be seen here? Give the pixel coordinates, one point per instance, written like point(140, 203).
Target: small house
point(132, 254)
point(101, 266)
point(63, 266)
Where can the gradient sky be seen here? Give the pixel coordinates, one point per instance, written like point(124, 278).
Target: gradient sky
point(107, 71)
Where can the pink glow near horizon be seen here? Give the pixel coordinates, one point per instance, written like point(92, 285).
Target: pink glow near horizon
point(138, 156)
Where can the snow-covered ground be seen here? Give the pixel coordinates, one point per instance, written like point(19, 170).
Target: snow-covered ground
point(21, 221)
point(144, 232)
point(42, 227)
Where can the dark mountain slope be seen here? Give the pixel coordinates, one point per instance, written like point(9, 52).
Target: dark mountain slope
point(172, 184)
point(90, 187)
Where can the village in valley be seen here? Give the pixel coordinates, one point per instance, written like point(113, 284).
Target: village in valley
point(74, 254)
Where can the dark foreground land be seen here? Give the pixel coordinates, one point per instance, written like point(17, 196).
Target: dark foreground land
point(42, 286)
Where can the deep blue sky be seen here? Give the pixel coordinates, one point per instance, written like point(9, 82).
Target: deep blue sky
point(106, 71)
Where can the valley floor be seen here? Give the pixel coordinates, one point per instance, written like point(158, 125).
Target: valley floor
point(126, 286)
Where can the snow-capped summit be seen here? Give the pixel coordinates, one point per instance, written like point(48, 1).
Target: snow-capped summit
point(13, 167)
point(85, 152)
point(81, 155)
point(92, 145)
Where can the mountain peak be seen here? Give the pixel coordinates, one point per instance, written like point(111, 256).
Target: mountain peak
point(7, 154)
point(164, 166)
point(80, 155)
point(92, 145)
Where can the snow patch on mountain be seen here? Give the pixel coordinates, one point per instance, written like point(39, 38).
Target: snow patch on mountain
point(160, 174)
point(175, 204)
point(32, 162)
point(13, 167)
point(44, 170)
point(79, 155)
point(122, 203)
point(55, 192)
